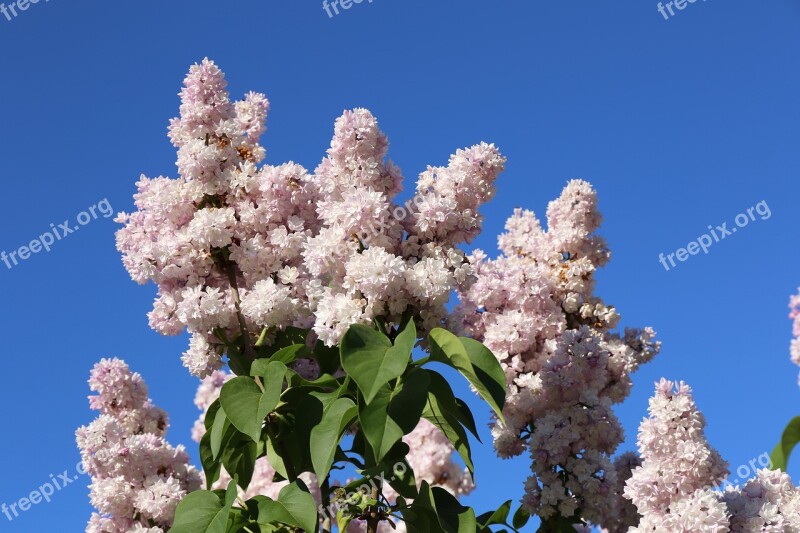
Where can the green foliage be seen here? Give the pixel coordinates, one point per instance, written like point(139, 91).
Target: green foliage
point(370, 385)
point(204, 511)
point(475, 362)
point(789, 439)
point(439, 512)
point(326, 435)
point(247, 403)
point(369, 357)
point(499, 517)
point(295, 507)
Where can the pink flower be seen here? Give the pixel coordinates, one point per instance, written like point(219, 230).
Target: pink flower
point(137, 477)
point(535, 308)
point(230, 242)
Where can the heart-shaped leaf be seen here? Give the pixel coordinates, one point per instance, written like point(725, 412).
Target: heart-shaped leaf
point(295, 507)
point(369, 357)
point(246, 405)
point(326, 435)
point(475, 362)
point(201, 512)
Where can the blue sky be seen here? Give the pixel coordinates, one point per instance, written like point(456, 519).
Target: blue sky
point(679, 123)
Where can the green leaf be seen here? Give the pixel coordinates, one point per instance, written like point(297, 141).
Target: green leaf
point(521, 518)
point(397, 473)
point(276, 460)
point(211, 412)
point(325, 436)
point(370, 359)
point(407, 338)
point(201, 512)
point(325, 381)
point(273, 384)
point(343, 519)
point(789, 439)
point(295, 507)
point(443, 511)
point(288, 336)
point(231, 492)
point(498, 517)
point(218, 429)
point(465, 416)
point(409, 399)
point(381, 431)
point(286, 355)
point(238, 456)
point(451, 427)
point(327, 357)
point(237, 361)
point(246, 406)
point(211, 467)
point(239, 519)
point(448, 402)
point(475, 362)
point(290, 431)
point(452, 515)
point(489, 372)
point(402, 479)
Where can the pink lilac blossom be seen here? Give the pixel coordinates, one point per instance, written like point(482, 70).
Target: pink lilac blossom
point(622, 514)
point(672, 489)
point(138, 479)
point(768, 502)
point(236, 247)
point(794, 305)
point(678, 465)
point(432, 460)
point(535, 308)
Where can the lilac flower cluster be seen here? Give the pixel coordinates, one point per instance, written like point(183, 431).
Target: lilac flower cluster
point(672, 489)
point(237, 248)
point(138, 479)
point(621, 514)
point(534, 307)
point(431, 458)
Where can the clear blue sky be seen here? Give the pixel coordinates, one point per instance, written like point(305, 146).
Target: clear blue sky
point(679, 123)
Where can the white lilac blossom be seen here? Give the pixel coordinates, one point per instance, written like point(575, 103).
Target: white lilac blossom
point(535, 308)
point(235, 246)
point(679, 467)
point(138, 479)
point(768, 502)
point(672, 488)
